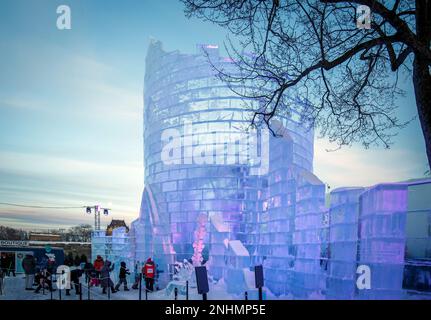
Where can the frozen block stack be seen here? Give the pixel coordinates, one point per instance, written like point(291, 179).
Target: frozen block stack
point(343, 242)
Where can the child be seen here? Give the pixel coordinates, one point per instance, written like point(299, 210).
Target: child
point(123, 276)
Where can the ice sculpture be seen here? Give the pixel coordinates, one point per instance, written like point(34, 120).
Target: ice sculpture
point(219, 195)
point(205, 196)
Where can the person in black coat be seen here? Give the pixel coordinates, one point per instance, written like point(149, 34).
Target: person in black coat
point(43, 278)
point(123, 276)
point(105, 277)
point(29, 266)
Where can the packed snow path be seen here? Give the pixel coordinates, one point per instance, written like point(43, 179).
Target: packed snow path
point(14, 289)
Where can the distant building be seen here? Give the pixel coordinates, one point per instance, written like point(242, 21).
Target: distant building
point(13, 252)
point(44, 237)
point(114, 225)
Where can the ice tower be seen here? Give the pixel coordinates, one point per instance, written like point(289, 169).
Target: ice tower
point(202, 201)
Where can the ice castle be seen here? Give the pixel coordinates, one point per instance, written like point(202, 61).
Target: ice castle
point(220, 194)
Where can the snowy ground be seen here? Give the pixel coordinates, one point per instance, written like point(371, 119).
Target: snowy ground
point(14, 289)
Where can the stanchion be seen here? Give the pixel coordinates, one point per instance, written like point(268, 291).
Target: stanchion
point(176, 293)
point(60, 286)
point(246, 295)
point(88, 288)
point(50, 288)
point(109, 291)
point(43, 282)
point(80, 291)
point(140, 286)
point(260, 294)
point(204, 297)
point(187, 290)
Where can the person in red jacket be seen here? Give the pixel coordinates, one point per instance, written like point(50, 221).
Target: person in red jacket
point(98, 266)
point(149, 270)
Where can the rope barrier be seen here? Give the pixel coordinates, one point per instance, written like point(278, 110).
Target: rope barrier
point(48, 282)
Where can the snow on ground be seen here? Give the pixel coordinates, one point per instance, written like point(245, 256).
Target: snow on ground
point(14, 289)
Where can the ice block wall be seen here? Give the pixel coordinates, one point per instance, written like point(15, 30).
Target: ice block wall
point(343, 242)
point(308, 276)
point(417, 268)
point(382, 221)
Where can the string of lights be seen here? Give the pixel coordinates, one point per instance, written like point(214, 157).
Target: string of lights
point(40, 207)
point(88, 209)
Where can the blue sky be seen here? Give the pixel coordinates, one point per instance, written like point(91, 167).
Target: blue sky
point(71, 110)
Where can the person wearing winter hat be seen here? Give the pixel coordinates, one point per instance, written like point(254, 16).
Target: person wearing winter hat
point(123, 276)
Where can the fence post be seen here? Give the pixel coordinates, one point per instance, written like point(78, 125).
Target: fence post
point(146, 291)
point(187, 290)
point(51, 288)
point(109, 291)
point(140, 286)
point(43, 282)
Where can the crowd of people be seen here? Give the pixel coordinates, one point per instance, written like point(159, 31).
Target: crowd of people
point(40, 275)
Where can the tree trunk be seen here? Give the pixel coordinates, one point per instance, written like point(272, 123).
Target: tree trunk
point(422, 85)
point(421, 72)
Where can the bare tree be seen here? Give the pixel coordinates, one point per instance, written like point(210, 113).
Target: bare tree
point(310, 53)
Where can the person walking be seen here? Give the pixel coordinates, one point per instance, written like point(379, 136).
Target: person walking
point(105, 277)
point(149, 272)
point(135, 285)
point(88, 271)
point(29, 266)
point(3, 264)
point(43, 278)
point(122, 276)
point(1, 282)
point(75, 275)
point(98, 265)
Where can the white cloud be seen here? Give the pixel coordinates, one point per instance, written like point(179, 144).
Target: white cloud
point(356, 166)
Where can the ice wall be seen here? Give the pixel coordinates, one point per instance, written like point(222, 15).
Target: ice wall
point(343, 243)
point(382, 219)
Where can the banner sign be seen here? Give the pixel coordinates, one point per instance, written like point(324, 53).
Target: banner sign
point(13, 243)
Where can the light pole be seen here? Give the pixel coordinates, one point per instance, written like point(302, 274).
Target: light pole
point(97, 210)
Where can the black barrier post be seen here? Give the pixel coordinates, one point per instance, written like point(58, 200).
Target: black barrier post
point(59, 286)
point(140, 286)
point(88, 288)
point(246, 295)
point(80, 291)
point(109, 292)
point(258, 278)
point(176, 293)
point(43, 282)
point(202, 281)
point(51, 287)
point(187, 290)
